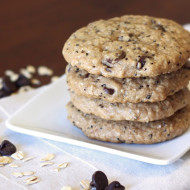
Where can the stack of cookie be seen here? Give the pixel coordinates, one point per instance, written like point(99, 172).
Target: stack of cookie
point(127, 78)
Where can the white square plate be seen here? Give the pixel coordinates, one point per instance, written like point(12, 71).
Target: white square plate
point(45, 116)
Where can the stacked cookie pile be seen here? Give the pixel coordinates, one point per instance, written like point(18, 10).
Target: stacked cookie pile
point(127, 78)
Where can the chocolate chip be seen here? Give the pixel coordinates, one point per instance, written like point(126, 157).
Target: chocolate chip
point(122, 56)
point(108, 70)
point(109, 91)
point(160, 27)
point(115, 185)
point(86, 75)
point(141, 62)
point(23, 81)
point(7, 148)
point(108, 62)
point(148, 96)
point(3, 93)
point(99, 181)
point(8, 85)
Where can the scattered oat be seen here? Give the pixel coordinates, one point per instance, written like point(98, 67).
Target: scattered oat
point(14, 77)
point(24, 89)
point(9, 73)
point(17, 174)
point(48, 157)
point(27, 159)
point(54, 78)
point(46, 164)
point(66, 188)
point(19, 155)
point(28, 173)
point(31, 69)
point(31, 180)
point(42, 70)
point(85, 184)
point(5, 160)
point(35, 82)
point(14, 165)
point(56, 169)
point(63, 165)
point(26, 73)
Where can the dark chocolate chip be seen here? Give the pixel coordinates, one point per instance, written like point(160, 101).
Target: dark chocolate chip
point(23, 81)
point(150, 136)
point(7, 148)
point(141, 62)
point(109, 91)
point(160, 27)
point(8, 85)
point(3, 93)
point(108, 62)
point(148, 96)
point(86, 75)
point(99, 181)
point(122, 56)
point(115, 185)
point(108, 70)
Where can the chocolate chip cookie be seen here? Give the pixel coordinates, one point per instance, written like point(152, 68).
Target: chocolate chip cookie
point(142, 112)
point(129, 46)
point(130, 131)
point(134, 90)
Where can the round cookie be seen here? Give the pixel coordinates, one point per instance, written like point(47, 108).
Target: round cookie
point(129, 46)
point(130, 131)
point(141, 112)
point(134, 90)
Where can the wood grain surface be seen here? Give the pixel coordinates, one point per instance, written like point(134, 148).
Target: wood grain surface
point(34, 32)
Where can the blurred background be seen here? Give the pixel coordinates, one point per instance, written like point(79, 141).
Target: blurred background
point(34, 32)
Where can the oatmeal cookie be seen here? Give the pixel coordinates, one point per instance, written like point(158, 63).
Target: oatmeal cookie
point(142, 112)
point(134, 90)
point(130, 131)
point(129, 46)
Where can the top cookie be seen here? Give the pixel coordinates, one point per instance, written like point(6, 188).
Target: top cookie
point(129, 46)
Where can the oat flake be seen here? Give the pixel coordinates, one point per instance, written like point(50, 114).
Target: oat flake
point(48, 157)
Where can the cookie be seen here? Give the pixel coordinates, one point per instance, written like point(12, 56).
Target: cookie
point(134, 90)
point(129, 46)
point(142, 112)
point(130, 131)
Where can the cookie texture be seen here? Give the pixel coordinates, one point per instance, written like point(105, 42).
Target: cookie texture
point(134, 90)
point(129, 46)
point(130, 131)
point(142, 112)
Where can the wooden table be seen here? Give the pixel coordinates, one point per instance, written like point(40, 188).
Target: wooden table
point(33, 32)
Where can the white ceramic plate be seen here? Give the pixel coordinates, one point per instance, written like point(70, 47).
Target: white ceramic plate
point(45, 116)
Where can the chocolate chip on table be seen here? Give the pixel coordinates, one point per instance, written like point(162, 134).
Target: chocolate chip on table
point(99, 181)
point(7, 148)
point(23, 81)
point(8, 85)
point(115, 185)
point(3, 93)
